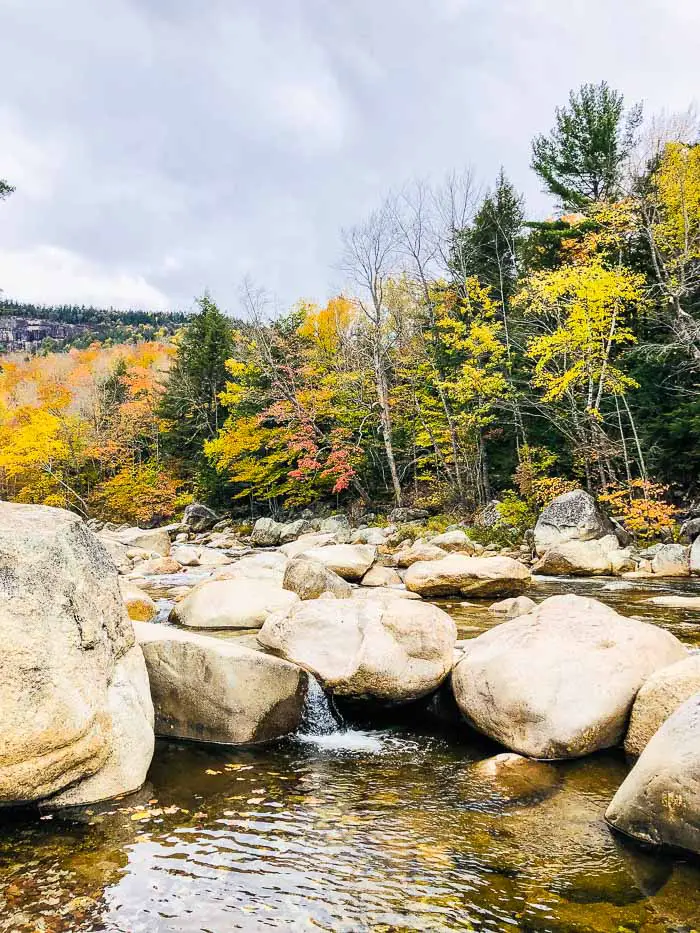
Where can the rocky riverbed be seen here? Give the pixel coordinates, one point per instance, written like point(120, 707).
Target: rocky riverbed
point(380, 809)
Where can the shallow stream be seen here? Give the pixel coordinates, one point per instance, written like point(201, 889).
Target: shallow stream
point(385, 829)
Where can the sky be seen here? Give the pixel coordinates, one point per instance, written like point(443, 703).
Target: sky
point(163, 147)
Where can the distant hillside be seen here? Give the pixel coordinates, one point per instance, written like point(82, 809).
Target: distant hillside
point(40, 328)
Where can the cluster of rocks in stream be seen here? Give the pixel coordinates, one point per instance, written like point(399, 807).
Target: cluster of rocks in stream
point(87, 679)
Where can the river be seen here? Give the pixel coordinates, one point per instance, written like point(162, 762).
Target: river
point(389, 828)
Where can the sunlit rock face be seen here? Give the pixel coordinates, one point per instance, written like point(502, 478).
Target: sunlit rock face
point(659, 801)
point(387, 649)
point(74, 705)
point(216, 690)
point(659, 698)
point(470, 576)
point(560, 681)
point(573, 516)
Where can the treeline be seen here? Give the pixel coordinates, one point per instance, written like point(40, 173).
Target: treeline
point(107, 326)
point(475, 354)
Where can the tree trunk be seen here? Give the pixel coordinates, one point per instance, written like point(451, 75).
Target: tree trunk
point(385, 422)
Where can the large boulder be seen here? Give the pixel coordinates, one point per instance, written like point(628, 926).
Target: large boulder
point(419, 550)
point(580, 558)
point(309, 579)
point(185, 555)
point(349, 561)
point(385, 648)
point(153, 540)
point(659, 697)
point(131, 717)
point(214, 690)
point(469, 576)
point(690, 530)
point(213, 557)
point(199, 517)
point(513, 607)
point(306, 542)
point(268, 567)
point(489, 515)
point(560, 681)
point(671, 560)
point(266, 533)
point(456, 540)
point(378, 575)
point(118, 552)
point(375, 536)
point(292, 530)
point(231, 604)
point(573, 516)
point(659, 801)
point(68, 669)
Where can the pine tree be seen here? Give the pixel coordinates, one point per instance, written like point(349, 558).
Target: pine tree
point(488, 249)
point(582, 158)
point(191, 408)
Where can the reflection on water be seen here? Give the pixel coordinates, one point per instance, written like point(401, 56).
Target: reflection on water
point(628, 597)
point(393, 829)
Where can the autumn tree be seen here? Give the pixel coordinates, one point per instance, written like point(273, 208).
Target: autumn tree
point(191, 407)
point(580, 312)
point(369, 251)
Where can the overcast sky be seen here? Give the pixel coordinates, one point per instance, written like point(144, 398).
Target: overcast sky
point(161, 147)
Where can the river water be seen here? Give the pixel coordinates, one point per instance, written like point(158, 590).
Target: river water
point(352, 828)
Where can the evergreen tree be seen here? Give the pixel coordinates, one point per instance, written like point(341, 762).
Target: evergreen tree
point(582, 158)
point(488, 249)
point(190, 407)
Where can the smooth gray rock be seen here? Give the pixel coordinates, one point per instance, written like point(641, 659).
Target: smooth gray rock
point(349, 561)
point(513, 607)
point(560, 681)
point(231, 604)
point(659, 801)
point(658, 698)
point(154, 540)
point(671, 560)
point(309, 579)
point(215, 690)
point(384, 648)
point(66, 659)
point(292, 530)
point(475, 576)
point(199, 517)
point(582, 558)
point(573, 516)
point(266, 533)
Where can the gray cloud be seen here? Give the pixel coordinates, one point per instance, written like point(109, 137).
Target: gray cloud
point(159, 148)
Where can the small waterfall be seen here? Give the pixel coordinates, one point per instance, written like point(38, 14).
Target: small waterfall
point(323, 727)
point(319, 716)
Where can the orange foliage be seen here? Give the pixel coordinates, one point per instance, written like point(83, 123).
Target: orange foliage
point(71, 422)
point(642, 508)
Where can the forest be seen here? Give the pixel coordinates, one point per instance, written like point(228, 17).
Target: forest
point(89, 325)
point(475, 355)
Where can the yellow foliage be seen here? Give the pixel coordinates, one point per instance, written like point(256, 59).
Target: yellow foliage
point(140, 494)
point(642, 508)
point(583, 309)
point(676, 226)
